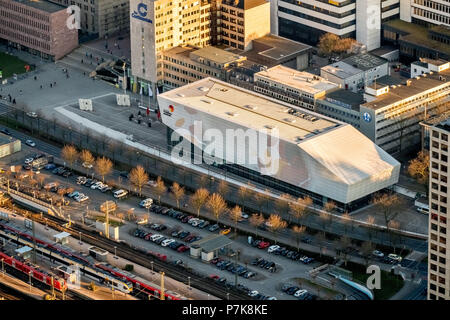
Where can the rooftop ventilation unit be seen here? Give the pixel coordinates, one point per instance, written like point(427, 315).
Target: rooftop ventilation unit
point(269, 126)
point(204, 89)
point(206, 101)
point(290, 120)
point(251, 107)
point(231, 113)
point(223, 89)
point(180, 95)
point(298, 139)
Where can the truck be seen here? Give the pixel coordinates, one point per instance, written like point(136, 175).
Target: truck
point(39, 163)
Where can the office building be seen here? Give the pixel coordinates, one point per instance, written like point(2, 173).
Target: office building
point(102, 18)
point(356, 72)
point(425, 65)
point(439, 204)
point(243, 21)
point(392, 114)
point(294, 87)
point(37, 26)
point(425, 12)
point(306, 21)
point(310, 154)
point(183, 65)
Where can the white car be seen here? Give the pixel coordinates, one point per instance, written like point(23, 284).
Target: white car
point(152, 183)
point(87, 165)
point(378, 254)
point(197, 222)
point(244, 215)
point(97, 185)
point(120, 193)
point(192, 220)
point(81, 197)
point(30, 143)
point(146, 203)
point(395, 257)
point(166, 242)
point(156, 237)
point(300, 293)
point(32, 114)
point(253, 293)
point(273, 248)
point(28, 160)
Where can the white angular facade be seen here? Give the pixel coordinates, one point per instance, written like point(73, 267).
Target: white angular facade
point(316, 153)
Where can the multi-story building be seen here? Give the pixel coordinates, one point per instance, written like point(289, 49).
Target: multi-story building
point(295, 87)
point(306, 21)
point(439, 204)
point(309, 154)
point(424, 65)
point(392, 114)
point(183, 65)
point(37, 26)
point(159, 25)
point(242, 21)
point(425, 12)
point(101, 18)
point(356, 72)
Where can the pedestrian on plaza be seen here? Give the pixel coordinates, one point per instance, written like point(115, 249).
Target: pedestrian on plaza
point(20, 91)
point(51, 85)
point(54, 83)
point(41, 86)
point(35, 78)
point(14, 101)
point(91, 55)
point(86, 54)
point(81, 60)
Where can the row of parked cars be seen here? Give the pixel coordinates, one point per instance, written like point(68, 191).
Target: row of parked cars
point(278, 250)
point(184, 218)
point(264, 264)
point(391, 258)
point(301, 294)
point(161, 240)
point(233, 268)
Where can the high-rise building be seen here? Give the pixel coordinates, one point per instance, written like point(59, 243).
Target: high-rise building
point(305, 21)
point(158, 25)
point(439, 195)
point(101, 17)
point(425, 12)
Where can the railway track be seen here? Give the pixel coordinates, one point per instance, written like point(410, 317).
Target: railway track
point(128, 252)
point(7, 293)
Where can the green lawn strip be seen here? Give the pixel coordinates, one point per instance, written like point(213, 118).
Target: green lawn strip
point(390, 283)
point(112, 223)
point(10, 65)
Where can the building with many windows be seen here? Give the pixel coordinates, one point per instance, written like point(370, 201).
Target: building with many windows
point(242, 21)
point(392, 114)
point(102, 18)
point(306, 21)
point(425, 12)
point(439, 204)
point(37, 26)
point(309, 154)
point(295, 87)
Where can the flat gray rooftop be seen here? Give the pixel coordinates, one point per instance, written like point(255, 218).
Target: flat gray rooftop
point(213, 242)
point(4, 139)
point(42, 5)
point(365, 61)
point(346, 96)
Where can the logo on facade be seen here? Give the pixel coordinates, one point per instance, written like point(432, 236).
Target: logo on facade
point(367, 117)
point(141, 13)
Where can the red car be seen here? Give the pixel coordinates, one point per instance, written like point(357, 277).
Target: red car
point(214, 276)
point(188, 238)
point(147, 237)
point(263, 244)
point(183, 249)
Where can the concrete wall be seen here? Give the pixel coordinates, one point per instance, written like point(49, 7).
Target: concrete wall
point(256, 23)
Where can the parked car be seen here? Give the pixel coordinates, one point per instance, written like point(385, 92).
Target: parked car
point(273, 248)
point(395, 257)
point(253, 293)
point(166, 242)
point(50, 166)
point(87, 165)
point(249, 275)
point(378, 253)
point(300, 293)
point(146, 203)
point(184, 234)
point(292, 290)
point(183, 248)
point(30, 143)
point(203, 224)
point(213, 228)
point(263, 245)
point(118, 194)
point(6, 131)
point(225, 231)
point(306, 240)
point(66, 173)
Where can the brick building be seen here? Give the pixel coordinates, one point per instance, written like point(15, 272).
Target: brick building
point(38, 26)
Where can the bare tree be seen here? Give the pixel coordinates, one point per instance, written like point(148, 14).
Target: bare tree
point(160, 188)
point(282, 204)
point(243, 194)
point(87, 159)
point(389, 205)
point(103, 167)
point(198, 199)
point(366, 251)
point(217, 205)
point(344, 244)
point(235, 215)
point(69, 154)
point(203, 180)
point(299, 208)
point(138, 177)
point(222, 188)
point(370, 228)
point(40, 179)
point(178, 193)
point(393, 236)
point(346, 220)
point(298, 231)
point(258, 198)
point(419, 168)
point(275, 223)
point(256, 220)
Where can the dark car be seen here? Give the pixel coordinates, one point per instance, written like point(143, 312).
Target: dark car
point(262, 263)
point(181, 217)
point(231, 267)
point(284, 252)
point(292, 290)
point(176, 233)
point(175, 245)
point(186, 219)
point(184, 234)
point(249, 274)
point(269, 265)
point(290, 254)
point(256, 261)
point(26, 167)
point(189, 237)
point(213, 228)
point(285, 287)
point(161, 228)
point(196, 238)
point(124, 174)
point(295, 256)
point(256, 243)
point(306, 240)
point(160, 240)
point(6, 131)
point(89, 183)
point(50, 166)
point(215, 260)
point(67, 174)
point(221, 280)
point(203, 224)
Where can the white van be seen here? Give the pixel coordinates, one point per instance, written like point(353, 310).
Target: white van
point(120, 193)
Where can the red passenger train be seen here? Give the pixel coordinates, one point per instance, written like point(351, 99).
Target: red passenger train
point(40, 275)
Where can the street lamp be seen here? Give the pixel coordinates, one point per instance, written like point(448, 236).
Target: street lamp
point(189, 283)
point(151, 263)
point(80, 240)
point(115, 252)
point(29, 277)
